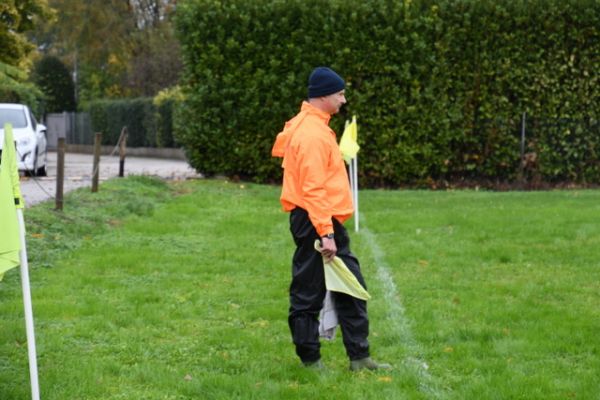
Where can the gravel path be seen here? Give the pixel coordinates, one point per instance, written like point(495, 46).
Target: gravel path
point(78, 173)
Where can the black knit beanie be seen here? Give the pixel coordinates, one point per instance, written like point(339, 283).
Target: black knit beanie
point(324, 81)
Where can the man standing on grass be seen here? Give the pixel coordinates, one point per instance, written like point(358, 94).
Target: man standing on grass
point(316, 192)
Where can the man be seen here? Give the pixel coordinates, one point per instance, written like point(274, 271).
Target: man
point(316, 192)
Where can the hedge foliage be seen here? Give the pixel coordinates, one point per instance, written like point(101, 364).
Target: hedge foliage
point(148, 121)
point(439, 87)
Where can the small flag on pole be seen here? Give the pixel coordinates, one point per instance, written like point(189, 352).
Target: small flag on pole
point(349, 148)
point(348, 144)
point(10, 198)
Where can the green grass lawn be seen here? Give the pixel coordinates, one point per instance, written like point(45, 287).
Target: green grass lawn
point(154, 291)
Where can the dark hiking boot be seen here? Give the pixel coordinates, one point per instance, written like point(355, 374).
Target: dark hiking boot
point(367, 363)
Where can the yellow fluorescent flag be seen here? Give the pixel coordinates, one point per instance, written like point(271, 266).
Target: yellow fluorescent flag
point(348, 143)
point(10, 193)
point(338, 278)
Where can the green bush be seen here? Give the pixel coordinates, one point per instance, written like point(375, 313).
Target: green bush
point(148, 122)
point(110, 116)
point(438, 87)
point(165, 103)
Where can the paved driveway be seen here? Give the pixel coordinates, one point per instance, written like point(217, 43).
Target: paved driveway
point(78, 173)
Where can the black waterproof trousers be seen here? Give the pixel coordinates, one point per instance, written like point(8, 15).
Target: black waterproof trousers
point(307, 292)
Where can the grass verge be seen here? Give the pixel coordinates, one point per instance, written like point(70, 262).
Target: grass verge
point(180, 292)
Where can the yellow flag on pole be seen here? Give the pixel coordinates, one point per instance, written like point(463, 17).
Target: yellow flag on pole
point(12, 241)
point(348, 143)
point(10, 199)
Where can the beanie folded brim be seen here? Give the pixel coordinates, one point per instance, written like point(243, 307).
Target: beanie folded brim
point(325, 91)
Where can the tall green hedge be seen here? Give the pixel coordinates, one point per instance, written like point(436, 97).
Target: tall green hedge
point(149, 123)
point(110, 116)
point(439, 87)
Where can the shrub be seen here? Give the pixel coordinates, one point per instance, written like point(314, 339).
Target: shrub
point(165, 103)
point(110, 116)
point(439, 87)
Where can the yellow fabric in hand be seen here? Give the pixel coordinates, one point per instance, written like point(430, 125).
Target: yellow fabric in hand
point(338, 278)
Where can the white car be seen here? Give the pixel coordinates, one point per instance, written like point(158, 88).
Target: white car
point(29, 135)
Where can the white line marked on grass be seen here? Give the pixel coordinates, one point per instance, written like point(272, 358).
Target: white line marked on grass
point(414, 359)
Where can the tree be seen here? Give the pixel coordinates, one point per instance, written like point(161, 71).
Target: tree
point(117, 48)
point(150, 13)
point(15, 89)
point(16, 18)
point(54, 79)
point(92, 37)
point(155, 62)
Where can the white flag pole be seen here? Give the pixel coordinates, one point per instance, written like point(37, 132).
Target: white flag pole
point(33, 371)
point(351, 176)
point(355, 191)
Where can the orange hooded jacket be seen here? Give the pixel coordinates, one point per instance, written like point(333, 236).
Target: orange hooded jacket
point(314, 174)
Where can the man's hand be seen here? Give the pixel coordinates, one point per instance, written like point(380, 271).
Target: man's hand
point(328, 248)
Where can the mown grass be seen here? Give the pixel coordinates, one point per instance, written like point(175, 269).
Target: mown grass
point(503, 288)
point(180, 292)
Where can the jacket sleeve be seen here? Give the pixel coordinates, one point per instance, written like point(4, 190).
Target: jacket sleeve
point(312, 165)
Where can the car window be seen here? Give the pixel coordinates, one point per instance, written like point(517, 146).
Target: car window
point(12, 116)
point(33, 120)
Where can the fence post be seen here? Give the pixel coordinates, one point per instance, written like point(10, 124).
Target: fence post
point(60, 172)
point(122, 151)
point(96, 170)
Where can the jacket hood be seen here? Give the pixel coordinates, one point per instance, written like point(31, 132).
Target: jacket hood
point(284, 137)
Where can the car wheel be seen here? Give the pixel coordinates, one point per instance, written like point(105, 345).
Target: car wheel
point(41, 171)
point(33, 171)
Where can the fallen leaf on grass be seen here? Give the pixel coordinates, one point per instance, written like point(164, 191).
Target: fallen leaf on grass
point(182, 298)
point(37, 235)
point(448, 349)
point(188, 377)
point(260, 323)
point(182, 191)
point(386, 379)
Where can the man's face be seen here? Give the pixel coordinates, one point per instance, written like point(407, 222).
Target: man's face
point(334, 102)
